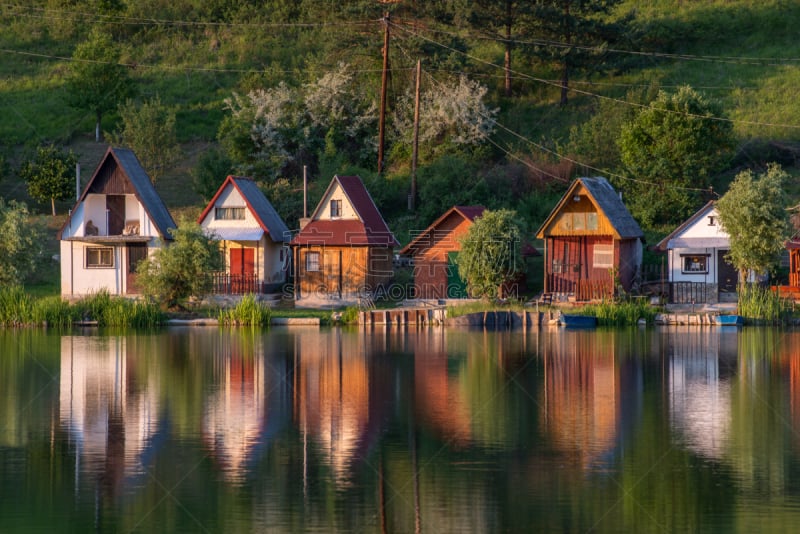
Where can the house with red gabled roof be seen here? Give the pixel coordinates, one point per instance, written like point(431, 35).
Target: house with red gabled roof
point(118, 221)
point(435, 250)
point(345, 249)
point(252, 236)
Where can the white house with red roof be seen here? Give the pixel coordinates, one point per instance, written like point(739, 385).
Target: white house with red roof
point(345, 249)
point(252, 236)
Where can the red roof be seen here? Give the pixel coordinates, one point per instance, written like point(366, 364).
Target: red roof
point(342, 233)
point(369, 229)
point(469, 213)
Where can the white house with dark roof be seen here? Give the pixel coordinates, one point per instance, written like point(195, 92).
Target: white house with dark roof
point(696, 266)
point(253, 238)
point(118, 221)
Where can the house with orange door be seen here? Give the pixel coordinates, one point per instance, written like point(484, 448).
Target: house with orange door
point(252, 236)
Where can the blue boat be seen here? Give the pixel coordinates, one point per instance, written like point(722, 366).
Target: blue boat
point(729, 320)
point(577, 321)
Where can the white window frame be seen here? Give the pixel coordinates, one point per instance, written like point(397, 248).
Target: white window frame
point(100, 252)
point(313, 266)
point(702, 267)
point(603, 256)
point(229, 213)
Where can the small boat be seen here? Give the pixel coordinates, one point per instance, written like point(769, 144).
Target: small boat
point(729, 320)
point(577, 321)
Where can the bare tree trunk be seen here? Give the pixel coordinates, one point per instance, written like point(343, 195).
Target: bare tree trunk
point(507, 58)
point(53, 205)
point(97, 127)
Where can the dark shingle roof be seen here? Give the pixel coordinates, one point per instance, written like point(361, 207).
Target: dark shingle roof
point(608, 201)
point(145, 191)
point(259, 206)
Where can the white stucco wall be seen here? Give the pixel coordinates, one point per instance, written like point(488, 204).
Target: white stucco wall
point(93, 208)
point(336, 193)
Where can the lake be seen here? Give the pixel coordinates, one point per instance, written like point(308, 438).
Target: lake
point(432, 430)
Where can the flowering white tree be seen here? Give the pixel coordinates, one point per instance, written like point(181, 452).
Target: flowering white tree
point(263, 129)
point(452, 114)
point(338, 111)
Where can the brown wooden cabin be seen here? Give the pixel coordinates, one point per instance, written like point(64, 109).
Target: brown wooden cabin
point(345, 249)
point(434, 251)
point(589, 238)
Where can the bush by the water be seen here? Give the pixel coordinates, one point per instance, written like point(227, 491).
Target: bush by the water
point(17, 308)
point(621, 313)
point(758, 303)
point(247, 312)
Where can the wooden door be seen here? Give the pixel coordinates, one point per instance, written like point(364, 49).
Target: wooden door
point(115, 204)
point(136, 253)
point(332, 271)
point(243, 270)
point(727, 275)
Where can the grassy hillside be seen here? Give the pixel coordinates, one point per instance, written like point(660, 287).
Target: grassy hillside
point(743, 53)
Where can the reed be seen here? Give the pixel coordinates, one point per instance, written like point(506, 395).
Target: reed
point(16, 307)
point(247, 312)
point(760, 304)
point(621, 313)
point(117, 311)
point(53, 311)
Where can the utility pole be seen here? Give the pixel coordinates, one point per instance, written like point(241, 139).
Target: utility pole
point(384, 83)
point(412, 198)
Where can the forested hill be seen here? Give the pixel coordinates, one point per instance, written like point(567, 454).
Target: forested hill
point(668, 99)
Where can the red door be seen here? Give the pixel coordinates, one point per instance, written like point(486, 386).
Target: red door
point(243, 270)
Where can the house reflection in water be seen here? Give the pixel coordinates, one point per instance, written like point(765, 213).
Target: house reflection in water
point(582, 408)
point(700, 371)
point(235, 411)
point(438, 395)
point(338, 397)
point(109, 411)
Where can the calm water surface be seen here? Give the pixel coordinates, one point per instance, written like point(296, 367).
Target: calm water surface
point(335, 430)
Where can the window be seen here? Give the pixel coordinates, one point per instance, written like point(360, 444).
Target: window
point(694, 263)
point(229, 214)
point(603, 256)
point(99, 257)
point(336, 208)
point(312, 262)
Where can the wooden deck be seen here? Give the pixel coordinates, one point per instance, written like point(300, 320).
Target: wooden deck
point(788, 292)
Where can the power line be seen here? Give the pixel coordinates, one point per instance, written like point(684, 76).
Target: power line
point(588, 93)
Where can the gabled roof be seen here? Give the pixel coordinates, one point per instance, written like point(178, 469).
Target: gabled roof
point(607, 200)
point(142, 187)
point(469, 213)
point(665, 244)
point(368, 229)
point(261, 208)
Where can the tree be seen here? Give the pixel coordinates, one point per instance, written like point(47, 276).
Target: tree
point(50, 175)
point(489, 254)
point(149, 130)
point(21, 243)
point(211, 170)
point(97, 81)
point(506, 21)
point(670, 150)
point(452, 116)
point(753, 213)
point(575, 34)
point(180, 269)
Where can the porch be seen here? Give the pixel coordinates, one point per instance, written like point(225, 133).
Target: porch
point(241, 284)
